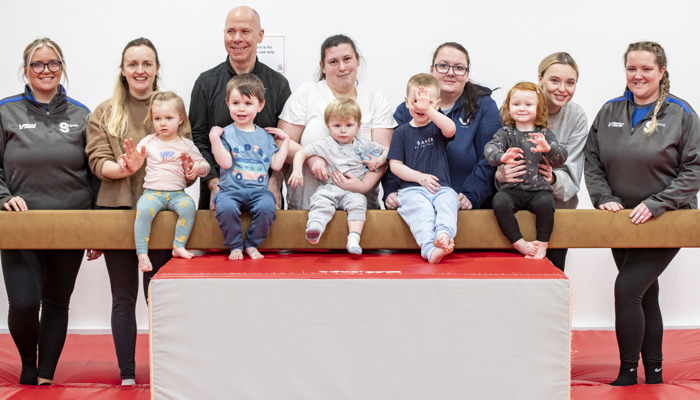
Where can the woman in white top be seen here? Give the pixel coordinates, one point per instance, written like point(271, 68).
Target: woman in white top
point(558, 76)
point(302, 119)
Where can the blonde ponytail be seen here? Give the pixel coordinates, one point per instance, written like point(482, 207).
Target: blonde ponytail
point(664, 88)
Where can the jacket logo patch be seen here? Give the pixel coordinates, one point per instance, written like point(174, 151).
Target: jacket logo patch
point(65, 127)
point(616, 124)
point(27, 126)
point(658, 125)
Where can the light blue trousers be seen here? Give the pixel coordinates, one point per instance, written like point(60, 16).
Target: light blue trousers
point(153, 201)
point(429, 214)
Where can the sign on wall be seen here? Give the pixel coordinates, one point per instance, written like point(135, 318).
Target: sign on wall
point(271, 53)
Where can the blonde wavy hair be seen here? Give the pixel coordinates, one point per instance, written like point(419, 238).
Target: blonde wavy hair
point(118, 123)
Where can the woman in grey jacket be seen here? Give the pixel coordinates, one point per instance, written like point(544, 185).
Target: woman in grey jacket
point(643, 153)
point(43, 166)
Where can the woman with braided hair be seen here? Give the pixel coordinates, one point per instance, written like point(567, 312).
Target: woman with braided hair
point(642, 153)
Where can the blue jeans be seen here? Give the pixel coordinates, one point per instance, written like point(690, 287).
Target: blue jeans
point(258, 202)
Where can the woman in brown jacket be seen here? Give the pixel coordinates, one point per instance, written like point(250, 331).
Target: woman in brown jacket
point(119, 118)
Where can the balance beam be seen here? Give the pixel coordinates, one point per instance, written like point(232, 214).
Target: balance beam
point(476, 229)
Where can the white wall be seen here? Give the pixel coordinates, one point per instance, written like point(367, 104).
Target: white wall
point(506, 40)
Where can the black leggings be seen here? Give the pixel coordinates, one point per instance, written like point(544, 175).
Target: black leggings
point(123, 269)
point(557, 257)
point(39, 279)
point(638, 323)
point(541, 203)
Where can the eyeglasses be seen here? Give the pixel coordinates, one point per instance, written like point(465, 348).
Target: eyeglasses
point(456, 69)
point(39, 67)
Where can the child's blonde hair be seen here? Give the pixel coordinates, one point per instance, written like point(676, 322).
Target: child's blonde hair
point(164, 97)
point(343, 109)
point(248, 85)
point(425, 80)
point(541, 120)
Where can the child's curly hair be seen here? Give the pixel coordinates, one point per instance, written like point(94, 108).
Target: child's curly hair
point(541, 120)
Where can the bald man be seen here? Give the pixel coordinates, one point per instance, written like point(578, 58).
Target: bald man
point(242, 33)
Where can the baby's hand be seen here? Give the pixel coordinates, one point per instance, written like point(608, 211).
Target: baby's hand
point(216, 132)
point(194, 172)
point(374, 163)
point(538, 139)
point(296, 179)
point(512, 155)
point(429, 182)
point(187, 164)
point(278, 133)
point(421, 99)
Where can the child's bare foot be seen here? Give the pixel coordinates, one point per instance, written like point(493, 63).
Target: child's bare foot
point(236, 255)
point(541, 250)
point(528, 249)
point(253, 253)
point(443, 241)
point(182, 253)
point(438, 254)
point(145, 263)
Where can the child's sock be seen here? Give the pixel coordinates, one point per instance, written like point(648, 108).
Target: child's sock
point(353, 245)
point(652, 370)
point(627, 375)
point(128, 382)
point(313, 233)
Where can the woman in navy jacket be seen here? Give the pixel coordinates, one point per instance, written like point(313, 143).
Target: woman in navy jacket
point(475, 113)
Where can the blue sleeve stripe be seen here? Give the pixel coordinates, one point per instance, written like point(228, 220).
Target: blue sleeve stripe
point(12, 99)
point(617, 99)
point(680, 103)
point(77, 103)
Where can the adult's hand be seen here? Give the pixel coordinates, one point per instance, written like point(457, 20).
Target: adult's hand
point(16, 204)
point(612, 206)
point(392, 201)
point(318, 167)
point(274, 184)
point(133, 158)
point(640, 214)
point(348, 182)
point(464, 203)
point(547, 172)
point(213, 185)
point(510, 173)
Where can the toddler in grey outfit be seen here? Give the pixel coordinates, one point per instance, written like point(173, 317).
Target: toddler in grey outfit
point(343, 153)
